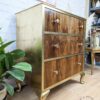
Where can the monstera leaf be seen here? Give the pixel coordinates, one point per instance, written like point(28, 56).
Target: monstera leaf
point(17, 74)
point(10, 67)
point(2, 56)
point(23, 66)
point(3, 46)
point(9, 88)
point(18, 54)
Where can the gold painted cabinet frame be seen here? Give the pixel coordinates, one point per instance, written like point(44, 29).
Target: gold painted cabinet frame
point(30, 37)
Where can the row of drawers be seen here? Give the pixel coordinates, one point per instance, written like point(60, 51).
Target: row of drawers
point(58, 70)
point(60, 45)
point(59, 22)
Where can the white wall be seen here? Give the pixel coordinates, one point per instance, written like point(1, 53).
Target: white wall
point(74, 6)
point(8, 8)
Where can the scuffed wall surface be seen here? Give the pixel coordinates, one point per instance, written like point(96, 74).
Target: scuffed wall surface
point(8, 8)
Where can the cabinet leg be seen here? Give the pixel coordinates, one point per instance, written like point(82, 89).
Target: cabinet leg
point(44, 95)
point(92, 59)
point(82, 77)
point(92, 69)
point(18, 83)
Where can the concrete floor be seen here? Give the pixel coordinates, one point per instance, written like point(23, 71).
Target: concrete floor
point(71, 90)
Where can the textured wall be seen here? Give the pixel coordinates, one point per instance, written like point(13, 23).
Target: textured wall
point(8, 8)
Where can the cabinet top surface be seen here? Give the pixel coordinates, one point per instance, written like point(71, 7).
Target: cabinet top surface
point(53, 8)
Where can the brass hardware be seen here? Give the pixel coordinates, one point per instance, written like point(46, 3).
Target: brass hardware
point(56, 72)
point(56, 45)
point(57, 21)
point(79, 63)
point(81, 26)
point(80, 44)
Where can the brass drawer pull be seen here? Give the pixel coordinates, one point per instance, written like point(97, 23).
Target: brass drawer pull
point(56, 72)
point(79, 63)
point(81, 26)
point(56, 21)
point(80, 44)
point(56, 45)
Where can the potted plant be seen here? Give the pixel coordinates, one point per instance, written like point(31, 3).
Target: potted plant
point(11, 67)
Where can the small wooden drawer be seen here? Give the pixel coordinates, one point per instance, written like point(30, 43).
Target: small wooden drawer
point(81, 62)
point(56, 46)
point(50, 73)
point(81, 28)
point(59, 45)
point(73, 26)
point(64, 68)
point(58, 70)
point(76, 45)
point(55, 71)
point(51, 20)
point(80, 44)
point(51, 46)
point(56, 22)
point(59, 22)
point(76, 64)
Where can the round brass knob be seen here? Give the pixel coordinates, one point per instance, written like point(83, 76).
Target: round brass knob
point(79, 63)
point(57, 21)
point(56, 72)
point(56, 45)
point(80, 44)
point(81, 26)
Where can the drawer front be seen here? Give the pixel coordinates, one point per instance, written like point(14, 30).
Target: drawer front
point(50, 73)
point(76, 64)
point(56, 46)
point(59, 45)
point(51, 18)
point(51, 46)
point(81, 62)
point(56, 71)
point(76, 45)
point(58, 22)
point(75, 26)
point(80, 44)
point(64, 68)
point(82, 28)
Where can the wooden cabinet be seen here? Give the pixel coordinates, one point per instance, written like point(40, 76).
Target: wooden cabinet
point(54, 43)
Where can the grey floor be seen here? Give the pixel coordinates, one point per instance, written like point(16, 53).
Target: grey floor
point(26, 94)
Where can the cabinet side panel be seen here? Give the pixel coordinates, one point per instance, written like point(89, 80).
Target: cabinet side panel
point(29, 39)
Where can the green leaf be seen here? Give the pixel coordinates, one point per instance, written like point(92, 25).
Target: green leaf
point(0, 39)
point(1, 42)
point(23, 66)
point(2, 47)
point(9, 88)
point(18, 53)
point(17, 74)
point(2, 56)
point(10, 59)
point(7, 63)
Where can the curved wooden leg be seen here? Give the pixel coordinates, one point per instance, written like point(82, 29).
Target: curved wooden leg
point(82, 78)
point(92, 59)
point(44, 95)
point(18, 83)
